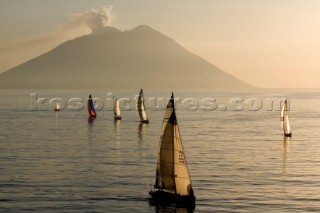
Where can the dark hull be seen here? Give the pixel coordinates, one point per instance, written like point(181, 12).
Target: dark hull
point(117, 118)
point(287, 134)
point(159, 197)
point(145, 121)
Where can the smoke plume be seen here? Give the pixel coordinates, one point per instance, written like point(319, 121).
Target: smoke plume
point(17, 51)
point(96, 20)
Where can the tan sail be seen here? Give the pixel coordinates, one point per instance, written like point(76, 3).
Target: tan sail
point(116, 109)
point(284, 118)
point(182, 178)
point(167, 115)
point(172, 171)
point(140, 107)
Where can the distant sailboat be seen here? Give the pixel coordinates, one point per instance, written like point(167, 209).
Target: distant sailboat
point(91, 110)
point(284, 119)
point(141, 109)
point(116, 110)
point(173, 183)
point(57, 106)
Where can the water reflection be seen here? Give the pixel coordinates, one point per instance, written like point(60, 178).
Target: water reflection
point(91, 120)
point(57, 126)
point(57, 121)
point(285, 143)
point(90, 126)
point(117, 129)
point(285, 146)
point(117, 125)
point(141, 132)
point(173, 209)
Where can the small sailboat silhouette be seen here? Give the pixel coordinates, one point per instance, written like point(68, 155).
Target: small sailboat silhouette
point(284, 119)
point(57, 106)
point(141, 109)
point(91, 110)
point(116, 110)
point(173, 183)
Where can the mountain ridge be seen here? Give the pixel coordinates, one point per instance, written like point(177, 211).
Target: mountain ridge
point(141, 57)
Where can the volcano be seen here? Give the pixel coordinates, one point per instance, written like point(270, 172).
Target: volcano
point(114, 59)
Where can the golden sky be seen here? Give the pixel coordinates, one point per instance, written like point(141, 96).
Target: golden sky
point(272, 44)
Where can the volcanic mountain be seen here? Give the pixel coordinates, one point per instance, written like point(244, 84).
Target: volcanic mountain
point(113, 59)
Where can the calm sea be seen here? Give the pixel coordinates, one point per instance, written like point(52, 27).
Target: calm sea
point(238, 159)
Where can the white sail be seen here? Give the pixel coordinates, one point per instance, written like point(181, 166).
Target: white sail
point(286, 124)
point(284, 118)
point(281, 115)
point(57, 106)
point(172, 171)
point(116, 108)
point(140, 107)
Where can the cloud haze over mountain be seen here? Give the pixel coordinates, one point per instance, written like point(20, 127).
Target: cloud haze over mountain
point(109, 58)
point(17, 51)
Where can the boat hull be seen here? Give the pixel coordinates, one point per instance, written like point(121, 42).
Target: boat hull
point(117, 118)
point(163, 197)
point(145, 121)
point(287, 134)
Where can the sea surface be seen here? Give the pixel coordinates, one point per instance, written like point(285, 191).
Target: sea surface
point(237, 156)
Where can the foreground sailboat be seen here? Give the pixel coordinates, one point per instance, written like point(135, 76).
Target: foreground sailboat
point(173, 183)
point(91, 110)
point(141, 109)
point(57, 106)
point(284, 119)
point(116, 110)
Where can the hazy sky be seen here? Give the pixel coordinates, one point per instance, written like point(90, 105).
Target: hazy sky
point(267, 43)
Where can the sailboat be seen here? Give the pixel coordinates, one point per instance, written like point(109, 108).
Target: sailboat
point(173, 183)
point(141, 109)
point(284, 119)
point(91, 110)
point(116, 110)
point(57, 106)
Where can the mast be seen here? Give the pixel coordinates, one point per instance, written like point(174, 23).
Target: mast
point(174, 121)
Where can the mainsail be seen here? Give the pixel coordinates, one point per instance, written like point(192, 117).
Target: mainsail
point(116, 110)
point(91, 109)
point(140, 108)
point(172, 173)
point(284, 118)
